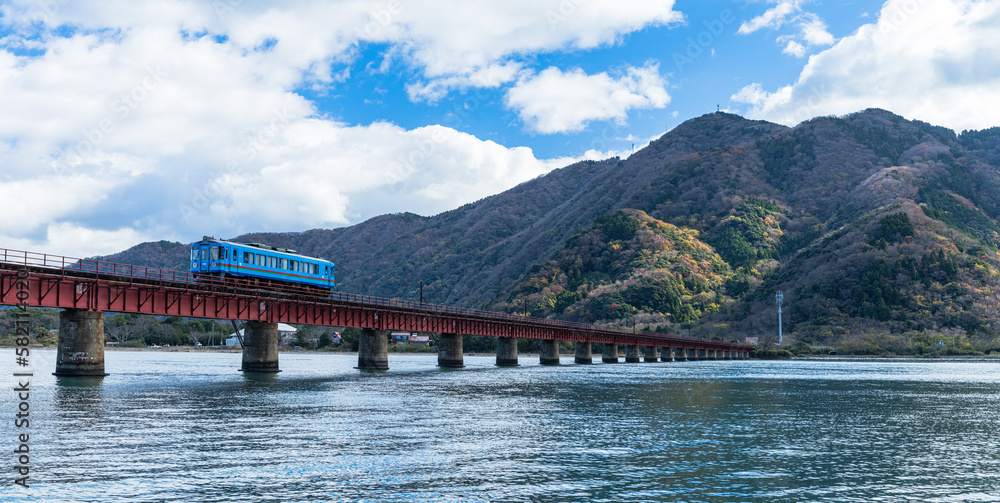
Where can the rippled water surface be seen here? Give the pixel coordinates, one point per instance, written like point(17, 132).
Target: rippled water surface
point(175, 426)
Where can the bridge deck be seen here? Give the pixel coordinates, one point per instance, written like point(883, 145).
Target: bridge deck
point(62, 282)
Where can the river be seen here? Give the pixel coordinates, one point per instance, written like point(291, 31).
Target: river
point(188, 426)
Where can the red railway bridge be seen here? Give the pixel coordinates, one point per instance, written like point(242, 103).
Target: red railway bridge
point(84, 289)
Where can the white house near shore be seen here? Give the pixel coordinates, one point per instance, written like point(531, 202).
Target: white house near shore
point(284, 331)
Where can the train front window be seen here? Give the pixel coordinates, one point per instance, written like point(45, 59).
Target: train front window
point(194, 254)
point(214, 254)
point(204, 254)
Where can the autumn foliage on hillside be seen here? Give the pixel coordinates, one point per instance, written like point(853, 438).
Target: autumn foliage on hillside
point(881, 232)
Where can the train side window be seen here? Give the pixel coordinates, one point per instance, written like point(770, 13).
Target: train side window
point(315, 268)
point(214, 254)
point(284, 263)
point(246, 257)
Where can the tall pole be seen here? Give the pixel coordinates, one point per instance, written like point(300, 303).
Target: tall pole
point(779, 297)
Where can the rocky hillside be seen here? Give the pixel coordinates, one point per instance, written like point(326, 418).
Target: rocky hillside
point(881, 232)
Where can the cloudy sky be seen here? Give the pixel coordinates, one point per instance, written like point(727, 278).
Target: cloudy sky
point(124, 121)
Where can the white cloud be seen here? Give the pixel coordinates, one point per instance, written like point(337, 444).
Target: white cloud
point(772, 18)
point(489, 77)
point(795, 49)
point(811, 30)
point(557, 102)
point(934, 61)
point(170, 119)
point(814, 31)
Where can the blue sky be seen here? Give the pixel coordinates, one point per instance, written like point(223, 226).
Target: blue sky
point(125, 122)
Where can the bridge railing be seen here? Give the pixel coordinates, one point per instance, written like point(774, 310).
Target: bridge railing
point(113, 271)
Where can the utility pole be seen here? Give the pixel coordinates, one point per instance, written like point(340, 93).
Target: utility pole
point(779, 297)
point(421, 292)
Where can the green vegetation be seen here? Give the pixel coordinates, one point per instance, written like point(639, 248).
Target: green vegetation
point(617, 226)
point(39, 320)
point(627, 263)
point(784, 153)
point(950, 209)
point(892, 229)
point(750, 234)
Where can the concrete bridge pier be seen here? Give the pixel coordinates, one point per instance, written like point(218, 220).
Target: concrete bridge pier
point(81, 344)
point(450, 351)
point(260, 347)
point(652, 354)
point(548, 352)
point(609, 353)
point(680, 355)
point(584, 353)
point(506, 351)
point(373, 349)
point(632, 354)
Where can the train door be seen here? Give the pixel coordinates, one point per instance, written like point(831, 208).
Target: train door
point(203, 253)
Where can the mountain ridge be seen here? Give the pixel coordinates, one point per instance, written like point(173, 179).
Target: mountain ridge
point(770, 199)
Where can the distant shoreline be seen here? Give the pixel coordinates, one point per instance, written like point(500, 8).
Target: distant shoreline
point(817, 358)
point(847, 358)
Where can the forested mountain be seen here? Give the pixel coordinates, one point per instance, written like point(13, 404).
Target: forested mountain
point(881, 232)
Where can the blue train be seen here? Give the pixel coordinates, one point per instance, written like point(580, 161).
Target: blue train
point(255, 260)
